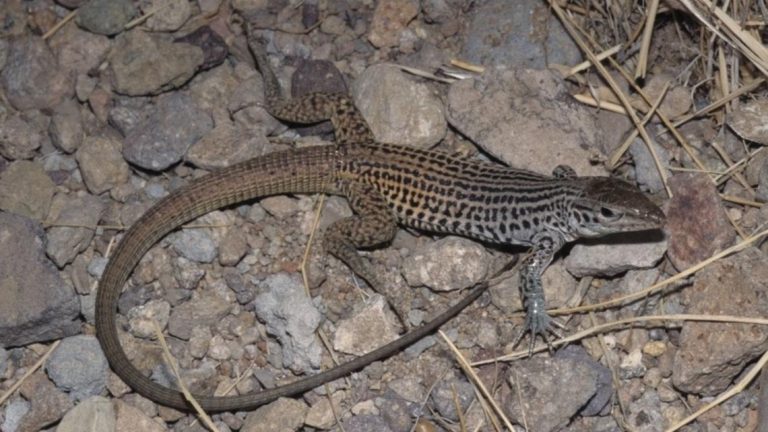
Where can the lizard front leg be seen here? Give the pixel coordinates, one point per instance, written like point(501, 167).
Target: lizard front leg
point(537, 320)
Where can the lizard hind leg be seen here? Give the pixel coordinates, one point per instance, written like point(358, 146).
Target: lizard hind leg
point(373, 224)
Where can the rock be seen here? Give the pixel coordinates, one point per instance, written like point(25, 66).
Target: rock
point(79, 366)
point(133, 419)
point(712, 355)
point(553, 388)
point(281, 415)
point(632, 365)
point(43, 307)
point(170, 15)
point(105, 17)
point(14, 412)
point(79, 52)
point(320, 415)
point(696, 221)
point(165, 136)
point(448, 392)
point(81, 212)
point(225, 145)
point(194, 244)
point(646, 413)
point(616, 254)
point(524, 33)
point(281, 207)
point(366, 423)
point(4, 364)
point(646, 172)
point(47, 403)
point(142, 64)
point(18, 138)
point(398, 109)
point(101, 164)
point(141, 319)
point(368, 329)
point(436, 265)
point(200, 311)
point(390, 19)
point(535, 109)
point(26, 189)
point(676, 102)
point(313, 76)
point(290, 315)
point(215, 49)
point(66, 129)
point(93, 414)
point(32, 79)
point(559, 286)
point(748, 120)
point(232, 248)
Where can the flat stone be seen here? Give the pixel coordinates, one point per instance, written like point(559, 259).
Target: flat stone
point(170, 15)
point(283, 414)
point(448, 264)
point(19, 139)
point(47, 403)
point(748, 120)
point(616, 254)
point(79, 51)
point(26, 189)
point(368, 329)
point(143, 64)
point(696, 221)
point(533, 107)
point(31, 76)
point(398, 109)
point(712, 355)
point(131, 419)
point(200, 311)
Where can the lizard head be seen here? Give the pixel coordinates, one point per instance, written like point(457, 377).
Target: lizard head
point(609, 205)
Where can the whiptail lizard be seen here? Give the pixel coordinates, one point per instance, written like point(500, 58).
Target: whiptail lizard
point(385, 185)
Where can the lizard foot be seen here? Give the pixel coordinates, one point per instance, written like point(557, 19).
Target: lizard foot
point(539, 323)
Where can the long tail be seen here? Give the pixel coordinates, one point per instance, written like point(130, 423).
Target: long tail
point(307, 170)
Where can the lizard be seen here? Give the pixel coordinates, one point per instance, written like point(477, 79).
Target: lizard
point(385, 185)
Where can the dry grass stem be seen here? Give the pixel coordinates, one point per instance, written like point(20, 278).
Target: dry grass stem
point(645, 45)
point(59, 25)
point(586, 64)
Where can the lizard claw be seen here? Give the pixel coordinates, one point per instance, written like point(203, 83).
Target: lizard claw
point(539, 323)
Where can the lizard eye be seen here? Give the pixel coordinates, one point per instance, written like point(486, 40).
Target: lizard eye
point(610, 214)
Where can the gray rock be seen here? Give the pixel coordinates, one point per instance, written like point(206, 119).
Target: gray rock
point(101, 164)
point(366, 423)
point(79, 366)
point(280, 206)
point(283, 414)
point(93, 414)
point(3, 360)
point(226, 144)
point(533, 108)
point(522, 33)
point(748, 121)
point(616, 254)
point(200, 311)
point(398, 109)
point(448, 264)
point(79, 212)
point(88, 308)
point(389, 21)
point(66, 129)
point(646, 414)
point(31, 77)
point(39, 306)
point(444, 401)
point(367, 330)
point(141, 319)
point(143, 64)
point(18, 138)
point(194, 244)
point(105, 17)
point(646, 173)
point(554, 389)
point(290, 315)
point(163, 139)
point(130, 418)
point(14, 412)
point(26, 189)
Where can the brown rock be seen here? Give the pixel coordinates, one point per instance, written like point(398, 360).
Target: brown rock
point(48, 404)
point(696, 221)
point(389, 19)
point(711, 355)
point(131, 419)
point(283, 414)
point(26, 189)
